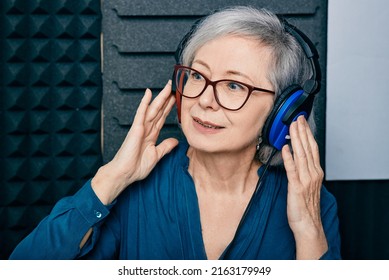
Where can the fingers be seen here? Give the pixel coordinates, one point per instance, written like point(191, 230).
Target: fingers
point(159, 103)
point(289, 164)
point(305, 164)
point(154, 113)
point(168, 106)
point(314, 148)
point(302, 145)
point(166, 146)
point(142, 108)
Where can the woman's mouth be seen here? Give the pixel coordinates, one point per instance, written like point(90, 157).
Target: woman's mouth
point(207, 124)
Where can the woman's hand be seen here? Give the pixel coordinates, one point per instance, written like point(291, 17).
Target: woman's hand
point(138, 153)
point(305, 177)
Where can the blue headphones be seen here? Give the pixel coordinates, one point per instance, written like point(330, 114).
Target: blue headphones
point(294, 101)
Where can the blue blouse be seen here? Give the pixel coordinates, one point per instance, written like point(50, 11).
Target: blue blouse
point(159, 218)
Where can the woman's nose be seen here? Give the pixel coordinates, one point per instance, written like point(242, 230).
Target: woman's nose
point(208, 98)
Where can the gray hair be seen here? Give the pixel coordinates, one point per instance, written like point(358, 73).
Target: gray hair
point(290, 64)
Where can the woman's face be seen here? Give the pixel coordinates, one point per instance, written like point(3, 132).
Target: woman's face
point(209, 127)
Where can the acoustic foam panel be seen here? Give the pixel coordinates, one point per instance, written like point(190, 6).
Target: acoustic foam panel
point(50, 102)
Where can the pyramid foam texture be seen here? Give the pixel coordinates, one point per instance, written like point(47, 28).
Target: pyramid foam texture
point(50, 101)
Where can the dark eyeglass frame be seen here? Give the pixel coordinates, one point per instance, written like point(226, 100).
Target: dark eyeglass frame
point(214, 83)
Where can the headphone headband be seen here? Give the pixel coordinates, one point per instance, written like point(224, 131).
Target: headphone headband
point(313, 84)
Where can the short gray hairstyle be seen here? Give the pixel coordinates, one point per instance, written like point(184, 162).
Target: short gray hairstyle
point(290, 65)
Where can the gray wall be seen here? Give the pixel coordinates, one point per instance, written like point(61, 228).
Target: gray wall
point(357, 90)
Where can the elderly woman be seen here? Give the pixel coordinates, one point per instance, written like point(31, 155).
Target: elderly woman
point(213, 195)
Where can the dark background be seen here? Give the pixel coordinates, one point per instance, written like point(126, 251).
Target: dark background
point(55, 103)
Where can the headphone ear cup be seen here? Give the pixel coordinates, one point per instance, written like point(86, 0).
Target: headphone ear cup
point(274, 129)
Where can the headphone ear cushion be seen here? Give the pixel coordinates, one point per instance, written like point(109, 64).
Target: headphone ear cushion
point(279, 102)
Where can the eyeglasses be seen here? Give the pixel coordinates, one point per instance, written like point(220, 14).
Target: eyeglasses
point(229, 94)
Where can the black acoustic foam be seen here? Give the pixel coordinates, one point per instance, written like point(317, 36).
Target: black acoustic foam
point(50, 102)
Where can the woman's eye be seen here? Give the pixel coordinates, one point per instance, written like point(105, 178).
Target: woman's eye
point(235, 86)
point(196, 76)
